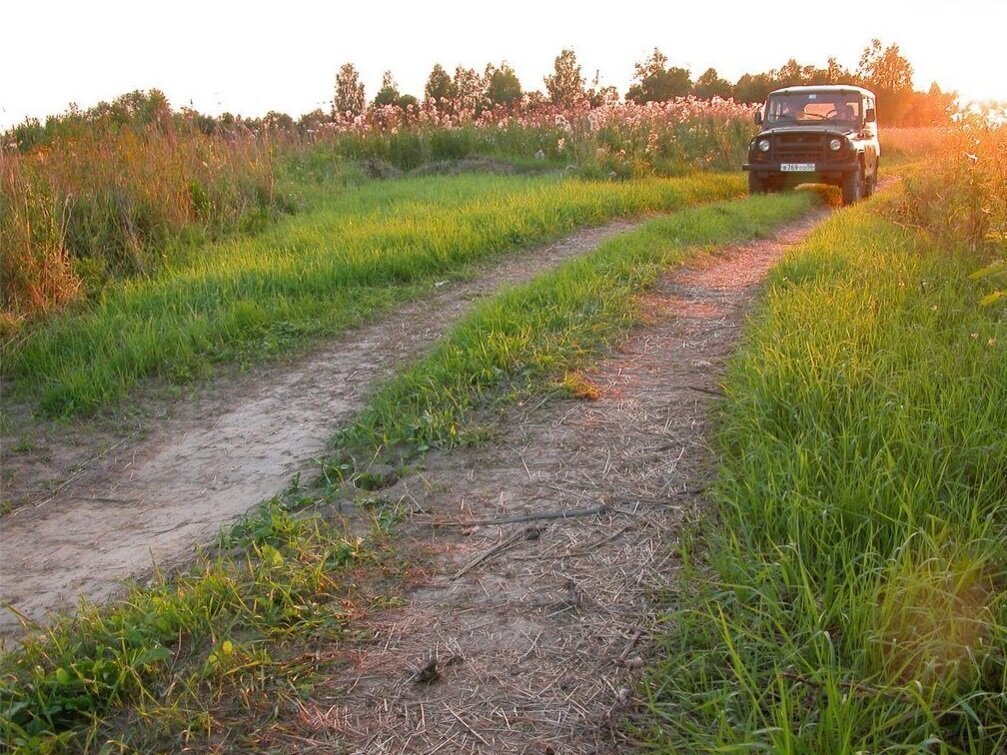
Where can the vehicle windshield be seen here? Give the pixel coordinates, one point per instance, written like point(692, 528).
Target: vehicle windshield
point(813, 107)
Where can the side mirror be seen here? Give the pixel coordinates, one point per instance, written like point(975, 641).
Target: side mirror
point(758, 116)
point(871, 115)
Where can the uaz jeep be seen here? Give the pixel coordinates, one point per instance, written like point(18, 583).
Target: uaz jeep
point(816, 134)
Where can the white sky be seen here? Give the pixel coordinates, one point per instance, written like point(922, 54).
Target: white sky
point(249, 56)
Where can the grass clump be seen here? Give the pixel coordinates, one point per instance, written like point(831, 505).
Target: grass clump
point(226, 622)
point(112, 204)
point(316, 273)
point(855, 599)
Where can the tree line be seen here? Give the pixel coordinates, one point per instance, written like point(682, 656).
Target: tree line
point(883, 69)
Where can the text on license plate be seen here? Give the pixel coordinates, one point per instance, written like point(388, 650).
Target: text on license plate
point(797, 167)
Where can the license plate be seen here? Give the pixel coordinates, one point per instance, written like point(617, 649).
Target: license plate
point(797, 167)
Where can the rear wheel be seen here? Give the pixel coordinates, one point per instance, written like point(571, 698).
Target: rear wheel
point(853, 185)
point(871, 184)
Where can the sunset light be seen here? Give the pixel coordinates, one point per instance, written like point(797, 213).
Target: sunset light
point(520, 377)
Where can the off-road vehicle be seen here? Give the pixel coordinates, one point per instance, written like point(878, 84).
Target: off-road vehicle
point(816, 134)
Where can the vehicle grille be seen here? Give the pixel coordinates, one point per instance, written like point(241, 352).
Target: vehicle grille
point(801, 148)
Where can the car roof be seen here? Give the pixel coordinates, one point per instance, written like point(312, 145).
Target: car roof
point(825, 88)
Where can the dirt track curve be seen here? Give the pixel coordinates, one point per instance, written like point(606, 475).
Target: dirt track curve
point(94, 511)
point(535, 628)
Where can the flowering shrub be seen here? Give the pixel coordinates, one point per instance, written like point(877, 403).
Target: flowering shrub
point(621, 139)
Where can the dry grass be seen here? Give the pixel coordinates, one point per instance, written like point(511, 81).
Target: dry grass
point(109, 204)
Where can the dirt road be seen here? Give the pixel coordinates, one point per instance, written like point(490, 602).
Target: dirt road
point(537, 626)
point(95, 509)
point(544, 549)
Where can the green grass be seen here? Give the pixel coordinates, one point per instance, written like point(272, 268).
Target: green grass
point(225, 645)
point(229, 620)
point(357, 253)
point(854, 599)
point(525, 340)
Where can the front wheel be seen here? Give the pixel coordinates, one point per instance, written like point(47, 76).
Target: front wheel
point(756, 183)
point(853, 185)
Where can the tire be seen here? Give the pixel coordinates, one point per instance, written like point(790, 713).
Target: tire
point(871, 184)
point(756, 184)
point(853, 185)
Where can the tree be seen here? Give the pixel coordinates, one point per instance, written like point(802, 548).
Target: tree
point(502, 85)
point(886, 72)
point(599, 95)
point(276, 121)
point(792, 74)
point(566, 85)
point(655, 65)
point(658, 83)
point(885, 69)
point(388, 94)
point(710, 85)
point(835, 73)
point(470, 89)
point(311, 122)
point(439, 86)
point(753, 87)
point(932, 108)
point(349, 97)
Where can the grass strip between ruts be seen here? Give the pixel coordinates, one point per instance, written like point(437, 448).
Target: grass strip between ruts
point(524, 338)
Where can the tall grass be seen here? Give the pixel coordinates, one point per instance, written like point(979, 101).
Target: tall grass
point(316, 272)
point(109, 204)
point(113, 192)
point(906, 145)
point(960, 197)
point(855, 595)
point(617, 140)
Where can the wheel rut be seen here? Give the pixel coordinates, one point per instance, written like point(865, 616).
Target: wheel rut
point(96, 508)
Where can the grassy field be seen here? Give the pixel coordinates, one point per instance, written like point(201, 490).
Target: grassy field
point(848, 595)
point(521, 338)
point(850, 591)
point(167, 662)
point(355, 253)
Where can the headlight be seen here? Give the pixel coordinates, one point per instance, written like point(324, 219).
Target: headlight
point(835, 145)
point(764, 145)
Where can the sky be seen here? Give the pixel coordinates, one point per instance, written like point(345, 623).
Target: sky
point(249, 57)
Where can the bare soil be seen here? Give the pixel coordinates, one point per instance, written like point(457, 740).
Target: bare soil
point(101, 501)
point(531, 628)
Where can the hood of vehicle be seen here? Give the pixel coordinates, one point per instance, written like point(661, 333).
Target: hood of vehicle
point(810, 128)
